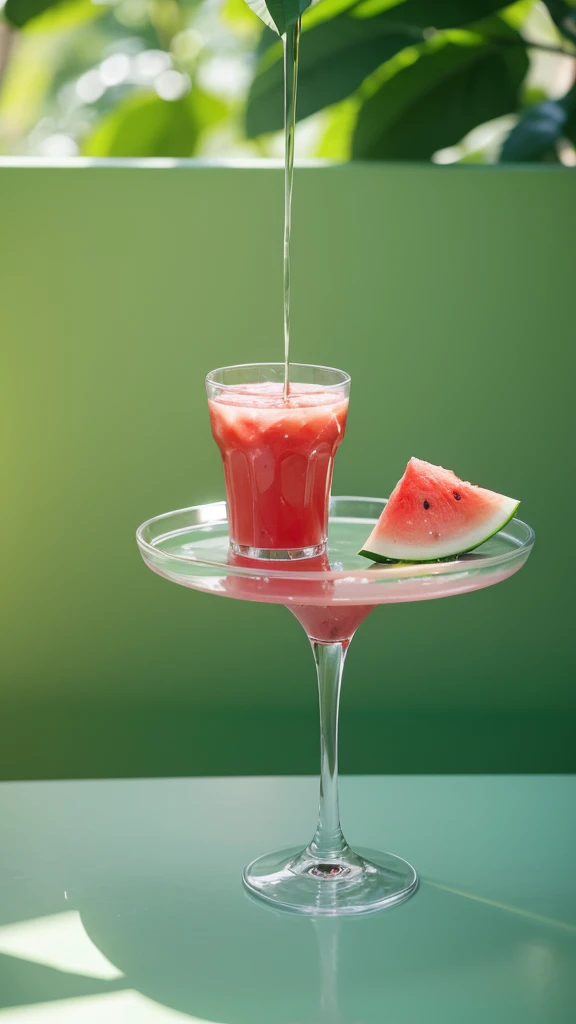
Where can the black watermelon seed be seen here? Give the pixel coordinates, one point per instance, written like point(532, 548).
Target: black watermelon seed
point(457, 496)
point(426, 504)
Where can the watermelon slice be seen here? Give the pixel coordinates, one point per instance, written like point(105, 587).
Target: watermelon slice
point(433, 516)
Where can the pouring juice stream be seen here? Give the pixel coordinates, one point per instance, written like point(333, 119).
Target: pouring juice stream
point(291, 41)
point(278, 439)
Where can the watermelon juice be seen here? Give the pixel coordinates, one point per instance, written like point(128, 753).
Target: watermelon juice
point(278, 455)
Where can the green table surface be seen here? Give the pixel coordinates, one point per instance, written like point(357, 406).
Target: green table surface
point(121, 901)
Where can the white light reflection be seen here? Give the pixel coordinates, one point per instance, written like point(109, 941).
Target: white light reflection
point(147, 65)
point(228, 77)
point(187, 44)
point(539, 964)
point(446, 156)
point(510, 909)
point(90, 87)
point(213, 513)
point(567, 153)
point(172, 85)
point(115, 69)
point(58, 941)
point(58, 145)
point(128, 1007)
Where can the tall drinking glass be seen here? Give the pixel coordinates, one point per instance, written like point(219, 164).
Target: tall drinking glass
point(278, 454)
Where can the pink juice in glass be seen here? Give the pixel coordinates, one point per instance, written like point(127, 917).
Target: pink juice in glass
point(278, 455)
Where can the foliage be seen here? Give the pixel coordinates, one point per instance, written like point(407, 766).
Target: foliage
point(420, 110)
point(379, 79)
point(423, 74)
point(542, 126)
point(150, 125)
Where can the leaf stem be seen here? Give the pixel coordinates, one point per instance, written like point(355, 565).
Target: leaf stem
point(530, 44)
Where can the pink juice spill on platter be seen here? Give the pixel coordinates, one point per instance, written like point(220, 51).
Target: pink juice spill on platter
point(328, 623)
point(278, 456)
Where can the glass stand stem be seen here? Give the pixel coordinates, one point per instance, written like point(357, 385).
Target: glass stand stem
point(329, 843)
point(329, 878)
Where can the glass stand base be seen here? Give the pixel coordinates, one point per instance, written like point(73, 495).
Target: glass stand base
point(355, 883)
point(277, 554)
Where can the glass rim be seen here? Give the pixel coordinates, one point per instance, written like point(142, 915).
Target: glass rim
point(346, 379)
point(383, 572)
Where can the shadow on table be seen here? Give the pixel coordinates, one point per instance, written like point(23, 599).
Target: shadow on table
point(23, 983)
point(219, 955)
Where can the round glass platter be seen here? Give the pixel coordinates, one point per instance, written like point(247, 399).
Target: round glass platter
point(190, 547)
point(330, 594)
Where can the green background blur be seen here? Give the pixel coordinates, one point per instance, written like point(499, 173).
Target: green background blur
point(447, 293)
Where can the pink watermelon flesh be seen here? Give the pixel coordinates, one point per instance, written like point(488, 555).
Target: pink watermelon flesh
point(432, 514)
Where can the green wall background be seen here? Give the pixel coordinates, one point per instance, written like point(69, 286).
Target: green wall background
point(447, 293)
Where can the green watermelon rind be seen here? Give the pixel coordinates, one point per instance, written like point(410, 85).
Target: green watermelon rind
point(375, 557)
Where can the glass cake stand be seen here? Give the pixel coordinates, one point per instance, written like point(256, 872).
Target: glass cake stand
point(330, 595)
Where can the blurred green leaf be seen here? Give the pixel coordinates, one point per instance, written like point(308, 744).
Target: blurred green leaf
point(63, 16)
point(539, 128)
point(240, 16)
point(336, 142)
point(28, 78)
point(20, 12)
point(536, 133)
point(279, 14)
point(564, 17)
point(335, 58)
point(337, 55)
point(516, 14)
point(207, 109)
point(434, 102)
point(145, 125)
point(569, 103)
point(533, 94)
point(570, 127)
